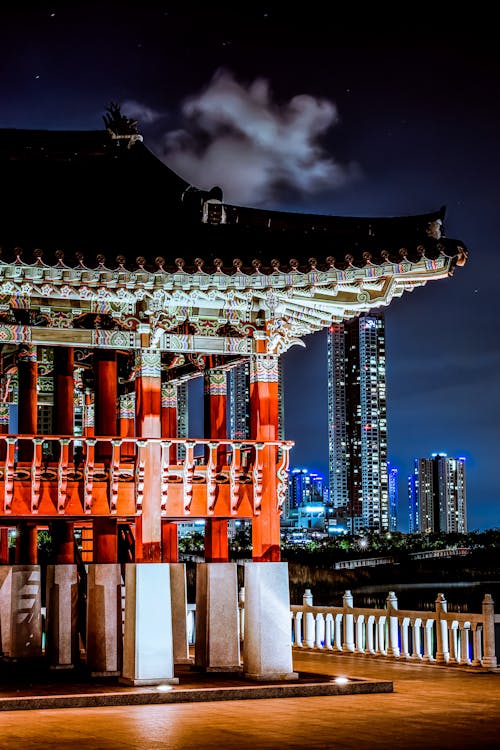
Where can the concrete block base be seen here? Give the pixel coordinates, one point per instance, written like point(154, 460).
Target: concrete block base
point(217, 647)
point(268, 642)
point(148, 644)
point(104, 620)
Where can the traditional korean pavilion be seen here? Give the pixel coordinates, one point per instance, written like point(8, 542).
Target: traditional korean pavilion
point(119, 283)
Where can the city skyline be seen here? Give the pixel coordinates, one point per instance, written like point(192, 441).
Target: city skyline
point(322, 120)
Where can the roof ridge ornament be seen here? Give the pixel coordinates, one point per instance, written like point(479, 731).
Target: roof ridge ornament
point(119, 126)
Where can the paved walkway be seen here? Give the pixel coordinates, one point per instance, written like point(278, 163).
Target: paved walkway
point(429, 708)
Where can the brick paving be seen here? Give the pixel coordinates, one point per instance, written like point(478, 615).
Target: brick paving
point(429, 707)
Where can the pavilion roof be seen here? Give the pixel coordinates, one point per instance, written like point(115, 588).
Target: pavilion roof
point(95, 196)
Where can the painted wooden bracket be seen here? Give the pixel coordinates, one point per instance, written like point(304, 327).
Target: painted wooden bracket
point(187, 473)
point(234, 477)
point(114, 474)
point(258, 473)
point(165, 459)
point(36, 473)
point(62, 475)
point(211, 473)
point(88, 475)
point(139, 474)
point(8, 491)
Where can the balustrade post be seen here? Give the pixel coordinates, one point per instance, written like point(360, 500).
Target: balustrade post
point(393, 645)
point(309, 624)
point(442, 648)
point(348, 602)
point(489, 659)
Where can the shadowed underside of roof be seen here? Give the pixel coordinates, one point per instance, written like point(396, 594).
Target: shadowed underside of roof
point(87, 194)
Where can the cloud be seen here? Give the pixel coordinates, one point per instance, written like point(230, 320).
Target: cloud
point(256, 149)
point(140, 112)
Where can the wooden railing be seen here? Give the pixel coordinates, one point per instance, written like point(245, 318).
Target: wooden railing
point(84, 475)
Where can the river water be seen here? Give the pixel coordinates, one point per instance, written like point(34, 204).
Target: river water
point(461, 596)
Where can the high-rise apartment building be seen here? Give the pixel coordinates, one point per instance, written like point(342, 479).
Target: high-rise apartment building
point(392, 478)
point(437, 495)
point(238, 391)
point(357, 422)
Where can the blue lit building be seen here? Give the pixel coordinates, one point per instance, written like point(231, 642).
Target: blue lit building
point(392, 477)
point(305, 505)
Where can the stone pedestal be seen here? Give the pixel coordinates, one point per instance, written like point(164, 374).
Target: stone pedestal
point(217, 647)
point(147, 650)
point(267, 652)
point(178, 595)
point(104, 619)
point(62, 611)
point(20, 611)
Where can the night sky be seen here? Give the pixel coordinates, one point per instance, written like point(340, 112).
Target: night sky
point(338, 114)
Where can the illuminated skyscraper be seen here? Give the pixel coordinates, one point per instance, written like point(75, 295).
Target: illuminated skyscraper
point(438, 495)
point(357, 422)
point(239, 402)
point(392, 476)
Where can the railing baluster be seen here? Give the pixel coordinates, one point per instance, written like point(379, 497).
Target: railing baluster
point(62, 475)
point(88, 475)
point(36, 473)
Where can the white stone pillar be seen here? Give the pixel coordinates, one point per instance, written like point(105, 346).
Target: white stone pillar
point(178, 596)
point(62, 612)
point(309, 622)
point(217, 647)
point(489, 659)
point(104, 620)
point(393, 642)
point(442, 651)
point(347, 603)
point(267, 650)
point(147, 644)
point(21, 611)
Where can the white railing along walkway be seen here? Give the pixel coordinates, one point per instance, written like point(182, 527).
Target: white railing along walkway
point(435, 637)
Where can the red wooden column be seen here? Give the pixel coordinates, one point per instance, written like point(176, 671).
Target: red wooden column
point(215, 399)
point(4, 545)
point(106, 422)
point(105, 540)
point(169, 416)
point(64, 363)
point(27, 544)
point(63, 542)
point(148, 425)
point(264, 426)
point(127, 424)
point(169, 529)
point(106, 397)
point(27, 399)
